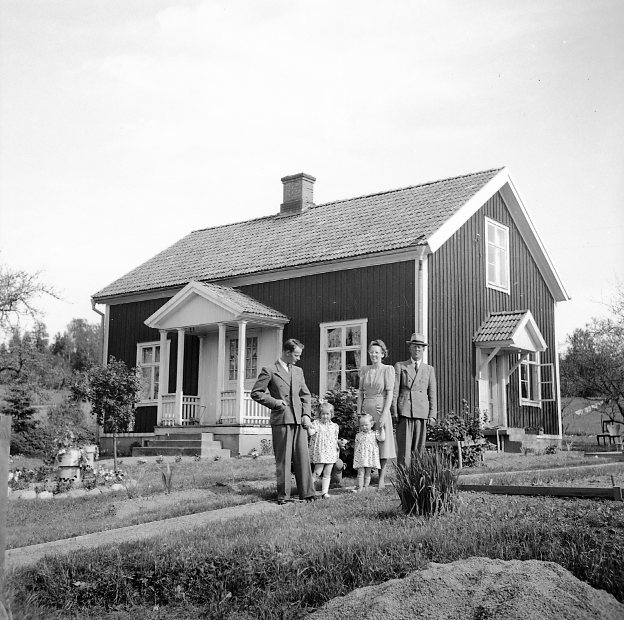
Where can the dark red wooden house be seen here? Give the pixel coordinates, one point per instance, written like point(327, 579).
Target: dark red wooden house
point(457, 259)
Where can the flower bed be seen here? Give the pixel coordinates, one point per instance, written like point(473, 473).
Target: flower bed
point(43, 483)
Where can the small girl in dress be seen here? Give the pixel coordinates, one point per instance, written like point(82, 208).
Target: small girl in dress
point(366, 453)
point(324, 447)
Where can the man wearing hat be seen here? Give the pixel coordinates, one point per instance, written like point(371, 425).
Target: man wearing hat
point(414, 400)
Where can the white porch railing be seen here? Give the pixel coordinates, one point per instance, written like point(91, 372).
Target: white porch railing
point(168, 416)
point(191, 410)
point(254, 413)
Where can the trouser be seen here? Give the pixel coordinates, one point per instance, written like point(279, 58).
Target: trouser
point(411, 434)
point(290, 445)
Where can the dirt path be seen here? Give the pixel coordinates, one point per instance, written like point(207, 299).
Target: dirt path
point(24, 556)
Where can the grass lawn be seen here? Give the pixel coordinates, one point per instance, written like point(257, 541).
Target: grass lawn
point(195, 487)
point(284, 566)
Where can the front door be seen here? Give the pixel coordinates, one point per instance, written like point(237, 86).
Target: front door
point(492, 387)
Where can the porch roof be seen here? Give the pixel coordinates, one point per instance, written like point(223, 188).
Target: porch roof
point(515, 329)
point(199, 304)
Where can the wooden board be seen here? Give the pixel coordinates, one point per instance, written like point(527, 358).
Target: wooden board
point(596, 492)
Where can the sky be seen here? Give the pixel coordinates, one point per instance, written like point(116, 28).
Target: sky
point(126, 124)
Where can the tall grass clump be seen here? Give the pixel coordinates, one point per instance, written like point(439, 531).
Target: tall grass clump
point(428, 485)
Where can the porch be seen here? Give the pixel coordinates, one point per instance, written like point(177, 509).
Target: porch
point(237, 335)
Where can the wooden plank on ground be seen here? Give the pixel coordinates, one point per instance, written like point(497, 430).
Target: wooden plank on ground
point(618, 456)
point(595, 492)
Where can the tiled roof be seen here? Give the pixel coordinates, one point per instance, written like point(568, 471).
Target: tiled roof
point(246, 303)
point(499, 326)
point(392, 220)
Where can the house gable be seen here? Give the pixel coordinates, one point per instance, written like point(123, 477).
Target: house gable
point(459, 301)
point(505, 187)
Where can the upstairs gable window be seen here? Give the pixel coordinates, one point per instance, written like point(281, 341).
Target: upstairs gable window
point(497, 255)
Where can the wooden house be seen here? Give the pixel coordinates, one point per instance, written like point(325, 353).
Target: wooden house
point(457, 259)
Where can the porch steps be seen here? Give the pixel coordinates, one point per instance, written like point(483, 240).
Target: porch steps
point(184, 444)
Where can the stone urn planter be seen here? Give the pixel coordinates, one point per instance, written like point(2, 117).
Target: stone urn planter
point(69, 464)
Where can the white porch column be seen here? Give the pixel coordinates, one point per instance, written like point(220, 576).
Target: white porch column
point(220, 370)
point(280, 339)
point(179, 378)
point(163, 373)
point(240, 384)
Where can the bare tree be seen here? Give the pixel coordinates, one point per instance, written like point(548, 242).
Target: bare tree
point(19, 291)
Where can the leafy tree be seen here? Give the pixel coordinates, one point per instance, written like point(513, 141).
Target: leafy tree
point(113, 392)
point(593, 365)
point(27, 358)
point(80, 345)
point(19, 291)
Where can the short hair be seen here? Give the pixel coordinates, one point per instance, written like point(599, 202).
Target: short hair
point(366, 417)
point(291, 344)
point(326, 407)
point(381, 344)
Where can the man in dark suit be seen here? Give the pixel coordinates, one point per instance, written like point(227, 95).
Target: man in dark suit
point(282, 388)
point(414, 400)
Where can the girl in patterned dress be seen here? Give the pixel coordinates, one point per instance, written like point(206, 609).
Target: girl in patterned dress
point(324, 448)
point(366, 454)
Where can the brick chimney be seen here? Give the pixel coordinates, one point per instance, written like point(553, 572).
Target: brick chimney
point(298, 193)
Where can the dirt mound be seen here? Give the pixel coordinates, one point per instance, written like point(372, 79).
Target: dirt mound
point(478, 589)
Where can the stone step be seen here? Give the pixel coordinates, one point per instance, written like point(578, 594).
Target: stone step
point(181, 441)
point(186, 436)
point(186, 451)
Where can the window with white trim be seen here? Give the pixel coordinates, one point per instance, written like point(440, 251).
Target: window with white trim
point(536, 381)
point(497, 255)
point(148, 363)
point(343, 351)
point(530, 380)
point(251, 358)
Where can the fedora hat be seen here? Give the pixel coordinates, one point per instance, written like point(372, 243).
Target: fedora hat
point(417, 339)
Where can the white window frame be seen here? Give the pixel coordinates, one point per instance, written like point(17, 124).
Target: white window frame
point(497, 255)
point(324, 349)
point(234, 338)
point(540, 378)
point(140, 365)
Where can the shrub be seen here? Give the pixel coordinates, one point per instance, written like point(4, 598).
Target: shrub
point(69, 414)
point(428, 485)
point(464, 427)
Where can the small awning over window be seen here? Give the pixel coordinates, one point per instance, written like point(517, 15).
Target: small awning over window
point(514, 330)
point(202, 306)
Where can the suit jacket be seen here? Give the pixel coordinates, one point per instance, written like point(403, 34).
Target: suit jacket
point(275, 383)
point(415, 394)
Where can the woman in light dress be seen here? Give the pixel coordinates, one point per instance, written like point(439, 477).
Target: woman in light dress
point(375, 398)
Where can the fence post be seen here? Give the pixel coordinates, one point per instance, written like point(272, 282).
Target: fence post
point(5, 444)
